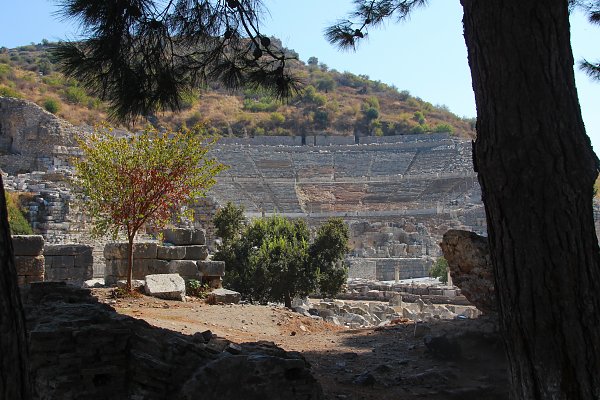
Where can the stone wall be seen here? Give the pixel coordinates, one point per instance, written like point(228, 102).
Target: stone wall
point(71, 263)
point(184, 252)
point(37, 261)
point(29, 258)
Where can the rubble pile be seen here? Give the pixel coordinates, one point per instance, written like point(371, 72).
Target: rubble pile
point(353, 314)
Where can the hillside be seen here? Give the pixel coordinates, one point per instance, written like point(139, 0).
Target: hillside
point(335, 103)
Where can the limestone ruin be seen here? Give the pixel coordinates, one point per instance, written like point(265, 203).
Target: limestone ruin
point(398, 194)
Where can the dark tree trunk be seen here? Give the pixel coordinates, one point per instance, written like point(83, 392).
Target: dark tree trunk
point(536, 170)
point(14, 369)
point(129, 262)
point(287, 300)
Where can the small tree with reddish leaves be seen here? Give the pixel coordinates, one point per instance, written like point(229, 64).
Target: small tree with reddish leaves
point(145, 178)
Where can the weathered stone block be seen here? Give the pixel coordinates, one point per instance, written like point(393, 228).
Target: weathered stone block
point(186, 268)
point(165, 286)
point(225, 296)
point(170, 252)
point(142, 267)
point(60, 261)
point(135, 283)
point(66, 249)
point(211, 268)
point(178, 236)
point(30, 265)
point(28, 245)
point(62, 274)
point(198, 236)
point(113, 251)
point(144, 250)
point(198, 252)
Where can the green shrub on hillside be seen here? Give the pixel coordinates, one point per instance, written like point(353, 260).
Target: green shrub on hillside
point(75, 95)
point(5, 71)
point(443, 128)
point(9, 92)
point(52, 105)
point(264, 104)
point(16, 217)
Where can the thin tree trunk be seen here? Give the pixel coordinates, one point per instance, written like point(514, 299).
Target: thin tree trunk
point(287, 300)
point(129, 262)
point(14, 367)
point(537, 170)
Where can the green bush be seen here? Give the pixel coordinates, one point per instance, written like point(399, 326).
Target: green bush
point(419, 117)
point(5, 71)
point(443, 128)
point(75, 95)
point(9, 92)
point(52, 105)
point(264, 104)
point(271, 258)
point(194, 287)
point(16, 217)
point(440, 270)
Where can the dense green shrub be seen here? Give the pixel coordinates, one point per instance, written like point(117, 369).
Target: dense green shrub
point(264, 104)
point(271, 259)
point(52, 105)
point(75, 95)
point(443, 128)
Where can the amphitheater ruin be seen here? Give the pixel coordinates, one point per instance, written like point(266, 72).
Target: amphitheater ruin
point(398, 194)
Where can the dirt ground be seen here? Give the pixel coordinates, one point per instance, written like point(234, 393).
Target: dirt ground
point(392, 362)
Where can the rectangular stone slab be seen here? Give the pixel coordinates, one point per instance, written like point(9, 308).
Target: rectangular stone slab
point(186, 268)
point(178, 236)
point(165, 286)
point(28, 245)
point(211, 268)
point(171, 252)
point(197, 252)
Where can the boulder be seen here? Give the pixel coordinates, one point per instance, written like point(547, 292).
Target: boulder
point(165, 286)
point(135, 283)
point(470, 267)
point(224, 296)
point(94, 283)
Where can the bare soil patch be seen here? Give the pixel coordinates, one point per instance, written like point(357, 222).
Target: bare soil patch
point(393, 362)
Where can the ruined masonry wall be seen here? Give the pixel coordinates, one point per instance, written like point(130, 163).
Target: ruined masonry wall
point(185, 253)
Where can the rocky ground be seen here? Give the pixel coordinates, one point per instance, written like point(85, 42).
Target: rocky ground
point(456, 359)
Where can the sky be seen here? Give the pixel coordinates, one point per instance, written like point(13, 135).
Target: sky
point(425, 55)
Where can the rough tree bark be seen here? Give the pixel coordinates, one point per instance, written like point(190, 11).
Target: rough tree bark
point(536, 170)
point(14, 368)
